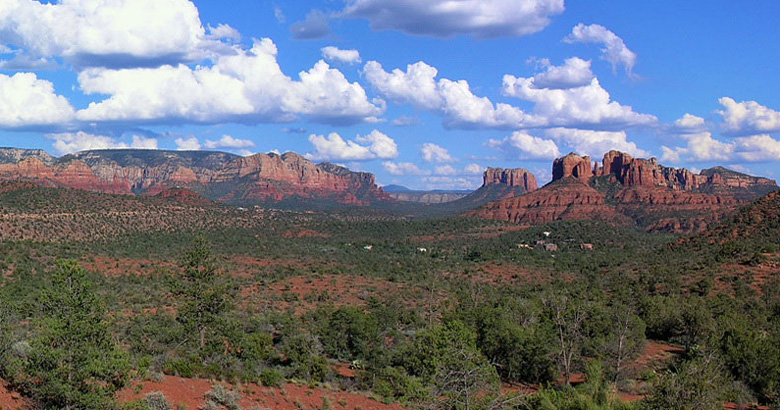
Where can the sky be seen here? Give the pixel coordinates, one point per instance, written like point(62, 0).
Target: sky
point(424, 94)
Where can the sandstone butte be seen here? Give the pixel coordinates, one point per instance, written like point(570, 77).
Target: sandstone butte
point(215, 175)
point(630, 191)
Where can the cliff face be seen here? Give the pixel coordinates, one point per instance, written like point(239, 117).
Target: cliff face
point(218, 176)
point(639, 172)
point(627, 190)
point(518, 177)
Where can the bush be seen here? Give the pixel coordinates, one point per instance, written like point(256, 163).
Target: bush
point(157, 401)
point(219, 397)
point(271, 377)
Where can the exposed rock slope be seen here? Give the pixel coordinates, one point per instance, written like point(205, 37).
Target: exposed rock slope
point(628, 190)
point(215, 175)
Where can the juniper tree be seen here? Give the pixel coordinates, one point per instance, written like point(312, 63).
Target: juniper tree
point(73, 361)
point(205, 298)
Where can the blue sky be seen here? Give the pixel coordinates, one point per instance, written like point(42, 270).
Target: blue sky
point(421, 93)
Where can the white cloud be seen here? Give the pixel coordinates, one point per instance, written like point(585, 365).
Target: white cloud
point(140, 142)
point(474, 169)
point(585, 106)
point(748, 117)
point(404, 168)
point(447, 18)
point(595, 143)
point(434, 153)
point(449, 170)
point(332, 53)
point(247, 86)
point(575, 72)
point(689, 123)
point(521, 145)
point(187, 144)
point(224, 32)
point(757, 148)
point(113, 33)
point(28, 101)
point(68, 143)
point(452, 99)
point(614, 48)
point(702, 147)
point(228, 141)
point(316, 25)
point(445, 170)
point(335, 148)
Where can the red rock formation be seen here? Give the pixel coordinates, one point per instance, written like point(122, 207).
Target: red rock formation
point(566, 199)
point(225, 177)
point(574, 166)
point(518, 177)
point(640, 191)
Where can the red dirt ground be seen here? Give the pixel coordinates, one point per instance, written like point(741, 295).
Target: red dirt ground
point(190, 393)
point(340, 290)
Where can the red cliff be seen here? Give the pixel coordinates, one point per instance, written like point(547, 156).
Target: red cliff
point(217, 176)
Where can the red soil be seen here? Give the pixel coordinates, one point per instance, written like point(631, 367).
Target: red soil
point(190, 393)
point(655, 352)
point(339, 290)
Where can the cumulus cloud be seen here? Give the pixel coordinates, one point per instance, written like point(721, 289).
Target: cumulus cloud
point(595, 143)
point(433, 153)
point(614, 48)
point(452, 99)
point(558, 95)
point(585, 106)
point(447, 18)
point(224, 32)
point(332, 53)
point(689, 124)
point(316, 25)
point(141, 142)
point(112, 33)
point(68, 143)
point(228, 141)
point(248, 86)
point(27, 101)
point(521, 145)
point(748, 117)
point(187, 144)
point(335, 148)
point(702, 147)
point(575, 72)
point(404, 168)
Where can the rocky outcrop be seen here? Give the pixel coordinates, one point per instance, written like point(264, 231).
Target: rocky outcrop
point(632, 191)
point(573, 166)
point(217, 176)
point(566, 199)
point(638, 172)
point(517, 177)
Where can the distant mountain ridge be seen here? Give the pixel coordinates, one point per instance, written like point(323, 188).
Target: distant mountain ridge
point(436, 196)
point(217, 176)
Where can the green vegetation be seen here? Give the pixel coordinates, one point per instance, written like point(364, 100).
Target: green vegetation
point(437, 313)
